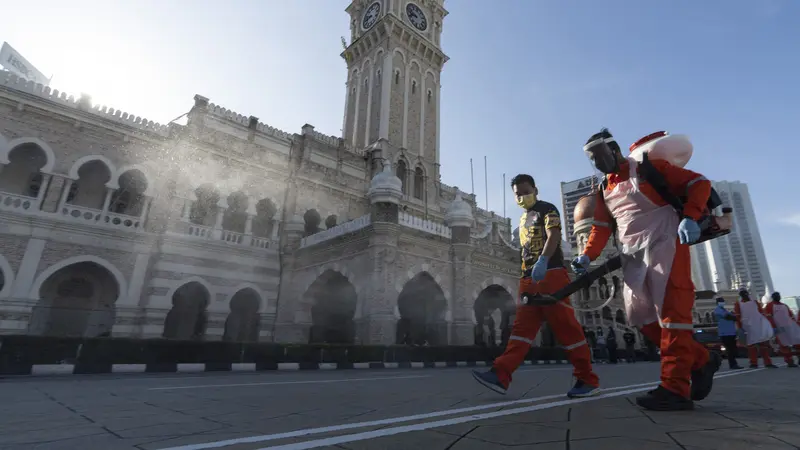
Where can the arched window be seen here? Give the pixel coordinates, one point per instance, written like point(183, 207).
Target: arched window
point(419, 183)
point(401, 173)
point(204, 209)
point(129, 198)
point(22, 174)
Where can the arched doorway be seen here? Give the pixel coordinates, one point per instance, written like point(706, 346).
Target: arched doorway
point(243, 321)
point(422, 306)
point(333, 304)
point(76, 301)
point(188, 318)
point(548, 337)
point(494, 309)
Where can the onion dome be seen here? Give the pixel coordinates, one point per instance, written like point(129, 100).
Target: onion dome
point(459, 213)
point(385, 186)
point(584, 213)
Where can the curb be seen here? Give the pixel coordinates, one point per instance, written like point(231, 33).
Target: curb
point(85, 369)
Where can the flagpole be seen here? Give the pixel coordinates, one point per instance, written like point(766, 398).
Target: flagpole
point(472, 177)
point(486, 182)
point(503, 189)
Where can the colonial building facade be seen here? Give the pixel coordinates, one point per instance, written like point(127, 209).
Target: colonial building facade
point(227, 228)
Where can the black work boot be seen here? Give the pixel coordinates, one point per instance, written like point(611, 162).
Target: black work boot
point(703, 379)
point(661, 399)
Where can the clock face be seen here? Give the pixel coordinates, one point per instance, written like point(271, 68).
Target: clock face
point(371, 15)
point(417, 17)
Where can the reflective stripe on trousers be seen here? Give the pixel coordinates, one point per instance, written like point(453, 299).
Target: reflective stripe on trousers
point(530, 342)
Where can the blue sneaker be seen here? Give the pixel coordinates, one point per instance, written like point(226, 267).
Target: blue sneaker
point(582, 389)
point(490, 380)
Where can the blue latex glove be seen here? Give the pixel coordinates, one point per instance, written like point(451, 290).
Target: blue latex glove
point(580, 264)
point(688, 231)
point(539, 269)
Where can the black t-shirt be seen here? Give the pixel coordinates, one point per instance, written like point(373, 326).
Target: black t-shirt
point(533, 228)
point(629, 338)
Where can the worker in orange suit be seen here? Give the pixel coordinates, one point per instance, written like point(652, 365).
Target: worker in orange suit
point(659, 293)
point(543, 271)
point(756, 328)
point(787, 333)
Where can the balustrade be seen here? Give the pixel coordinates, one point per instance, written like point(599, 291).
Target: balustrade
point(427, 226)
point(20, 203)
point(338, 230)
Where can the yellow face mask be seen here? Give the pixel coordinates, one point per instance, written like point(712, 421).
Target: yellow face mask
point(526, 202)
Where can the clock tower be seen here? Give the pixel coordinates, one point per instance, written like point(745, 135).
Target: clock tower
point(394, 61)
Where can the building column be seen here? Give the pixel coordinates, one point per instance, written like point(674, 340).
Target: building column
point(186, 212)
point(43, 188)
point(368, 119)
point(65, 194)
point(107, 200)
point(217, 233)
point(145, 210)
point(50, 202)
point(357, 80)
point(386, 92)
point(407, 76)
point(248, 231)
point(423, 95)
point(26, 275)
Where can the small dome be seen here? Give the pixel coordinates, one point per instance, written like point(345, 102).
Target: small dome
point(385, 187)
point(459, 213)
point(584, 209)
point(584, 213)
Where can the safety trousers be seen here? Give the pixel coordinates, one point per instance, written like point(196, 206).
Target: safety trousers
point(561, 317)
point(754, 350)
point(786, 351)
point(680, 353)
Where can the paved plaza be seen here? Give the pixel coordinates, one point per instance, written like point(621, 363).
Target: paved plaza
point(391, 409)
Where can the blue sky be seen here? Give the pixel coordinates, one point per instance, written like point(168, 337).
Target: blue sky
point(527, 83)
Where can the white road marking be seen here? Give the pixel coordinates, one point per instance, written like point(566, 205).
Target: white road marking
point(448, 371)
point(453, 421)
point(415, 417)
point(272, 383)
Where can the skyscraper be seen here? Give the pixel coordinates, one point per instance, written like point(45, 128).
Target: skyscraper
point(571, 192)
point(737, 256)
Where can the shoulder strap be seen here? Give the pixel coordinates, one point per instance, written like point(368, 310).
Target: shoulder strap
point(613, 224)
point(649, 173)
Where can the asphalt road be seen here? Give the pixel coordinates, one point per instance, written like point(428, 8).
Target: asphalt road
point(358, 409)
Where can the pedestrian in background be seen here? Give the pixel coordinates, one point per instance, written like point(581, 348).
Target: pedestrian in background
point(611, 345)
point(601, 345)
point(726, 327)
point(756, 328)
point(630, 343)
point(787, 333)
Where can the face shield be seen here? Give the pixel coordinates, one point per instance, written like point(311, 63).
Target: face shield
point(603, 154)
